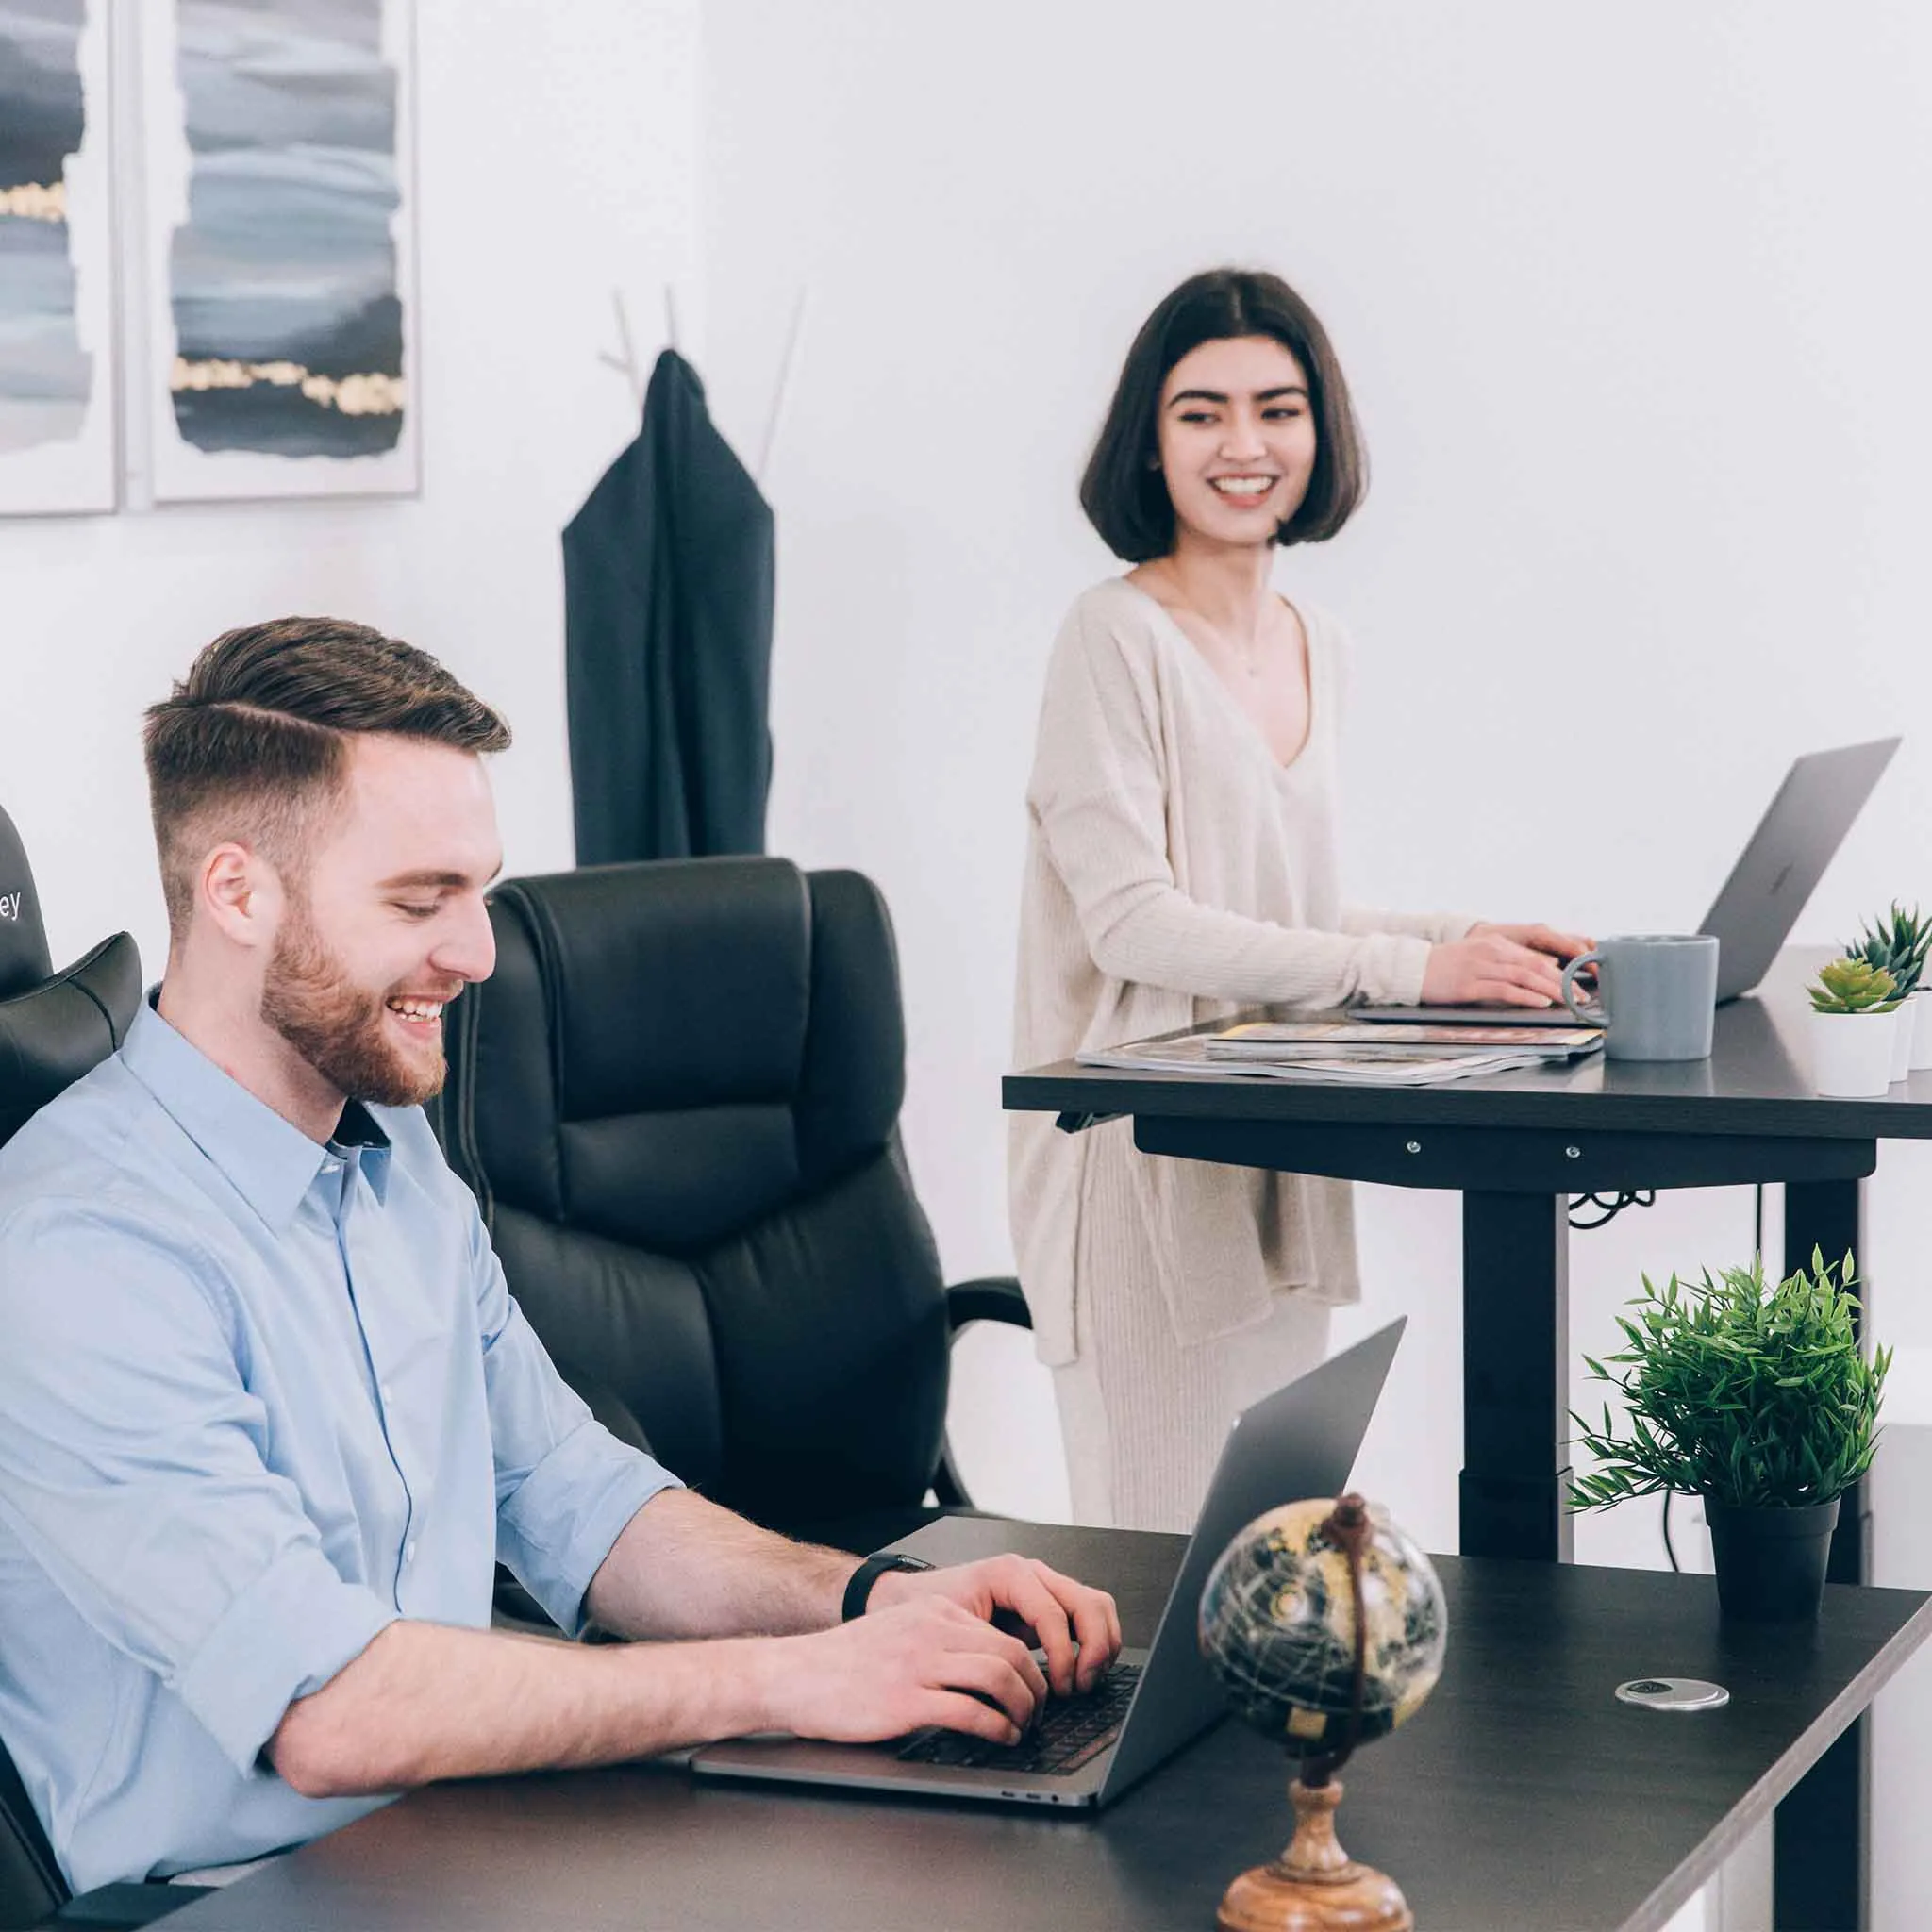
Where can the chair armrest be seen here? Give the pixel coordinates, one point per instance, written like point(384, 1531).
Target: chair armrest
point(121, 1908)
point(993, 1298)
point(513, 1607)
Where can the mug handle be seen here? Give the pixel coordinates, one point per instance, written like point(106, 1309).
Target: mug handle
point(1569, 973)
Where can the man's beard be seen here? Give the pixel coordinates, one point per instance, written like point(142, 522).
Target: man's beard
point(337, 1026)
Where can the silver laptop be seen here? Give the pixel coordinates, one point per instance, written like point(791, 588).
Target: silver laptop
point(1796, 839)
point(1299, 1442)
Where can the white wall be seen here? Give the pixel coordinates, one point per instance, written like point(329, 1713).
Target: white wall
point(1632, 310)
point(552, 168)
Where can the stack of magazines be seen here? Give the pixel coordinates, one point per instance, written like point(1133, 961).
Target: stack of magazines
point(1354, 1052)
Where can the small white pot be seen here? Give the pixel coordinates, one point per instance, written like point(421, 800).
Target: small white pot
point(1851, 1052)
point(1904, 1022)
point(1919, 1007)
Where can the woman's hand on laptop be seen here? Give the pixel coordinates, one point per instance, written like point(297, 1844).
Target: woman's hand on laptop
point(1492, 966)
point(899, 1668)
point(1539, 939)
point(1076, 1625)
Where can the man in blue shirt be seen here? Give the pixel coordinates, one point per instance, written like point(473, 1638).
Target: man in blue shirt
point(268, 1412)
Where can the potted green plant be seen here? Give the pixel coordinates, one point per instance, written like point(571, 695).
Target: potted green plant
point(1898, 942)
point(1759, 1399)
point(1853, 1004)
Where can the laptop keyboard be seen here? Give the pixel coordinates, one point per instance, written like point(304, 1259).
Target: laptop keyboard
point(1066, 1734)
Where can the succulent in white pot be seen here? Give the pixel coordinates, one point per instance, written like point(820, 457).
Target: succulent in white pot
point(1900, 942)
point(1854, 1005)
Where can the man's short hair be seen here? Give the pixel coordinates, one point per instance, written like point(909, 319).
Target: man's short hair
point(255, 737)
point(1124, 494)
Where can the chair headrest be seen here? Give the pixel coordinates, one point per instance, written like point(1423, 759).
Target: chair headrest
point(23, 958)
point(670, 1050)
point(671, 985)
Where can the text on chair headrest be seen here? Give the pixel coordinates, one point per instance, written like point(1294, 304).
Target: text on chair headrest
point(24, 958)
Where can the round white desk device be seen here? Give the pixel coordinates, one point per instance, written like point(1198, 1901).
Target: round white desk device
point(1673, 1693)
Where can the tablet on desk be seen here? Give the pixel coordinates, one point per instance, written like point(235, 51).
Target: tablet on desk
point(1477, 1016)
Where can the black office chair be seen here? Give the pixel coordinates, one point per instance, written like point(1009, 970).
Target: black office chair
point(53, 1028)
point(678, 1101)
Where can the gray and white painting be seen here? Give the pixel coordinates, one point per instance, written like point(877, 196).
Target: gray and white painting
point(287, 299)
point(46, 375)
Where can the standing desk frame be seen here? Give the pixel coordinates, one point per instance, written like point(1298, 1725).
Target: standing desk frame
point(1517, 1147)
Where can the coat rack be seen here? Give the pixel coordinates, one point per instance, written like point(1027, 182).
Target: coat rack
point(625, 364)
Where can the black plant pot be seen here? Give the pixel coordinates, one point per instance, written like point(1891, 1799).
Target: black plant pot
point(1771, 1562)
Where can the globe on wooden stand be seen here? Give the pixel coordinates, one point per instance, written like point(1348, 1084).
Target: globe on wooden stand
point(1326, 1627)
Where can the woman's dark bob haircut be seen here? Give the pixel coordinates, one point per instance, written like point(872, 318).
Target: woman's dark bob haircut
point(1124, 494)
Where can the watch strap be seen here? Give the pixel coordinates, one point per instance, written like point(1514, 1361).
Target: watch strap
point(860, 1588)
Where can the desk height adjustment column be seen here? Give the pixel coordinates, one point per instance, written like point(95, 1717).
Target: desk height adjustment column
point(1515, 1375)
point(1832, 1805)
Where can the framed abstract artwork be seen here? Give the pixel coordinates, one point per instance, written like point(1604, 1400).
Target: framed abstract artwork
point(57, 375)
point(280, 257)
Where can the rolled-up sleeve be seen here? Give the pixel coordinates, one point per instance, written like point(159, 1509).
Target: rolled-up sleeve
point(565, 1485)
point(132, 1468)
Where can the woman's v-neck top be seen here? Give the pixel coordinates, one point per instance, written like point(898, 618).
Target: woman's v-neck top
point(1176, 871)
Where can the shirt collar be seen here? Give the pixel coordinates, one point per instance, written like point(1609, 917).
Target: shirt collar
point(270, 1163)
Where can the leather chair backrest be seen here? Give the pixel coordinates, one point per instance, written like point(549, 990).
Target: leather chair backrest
point(677, 1100)
point(51, 1033)
point(30, 1881)
point(54, 1026)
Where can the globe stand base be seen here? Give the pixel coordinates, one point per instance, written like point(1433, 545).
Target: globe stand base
point(1314, 1886)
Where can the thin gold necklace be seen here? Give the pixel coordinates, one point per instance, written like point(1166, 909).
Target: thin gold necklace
point(1250, 660)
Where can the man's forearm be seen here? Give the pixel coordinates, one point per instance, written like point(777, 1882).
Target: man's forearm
point(683, 1567)
point(428, 1701)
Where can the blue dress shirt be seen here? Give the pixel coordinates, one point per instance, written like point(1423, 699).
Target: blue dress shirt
point(257, 1399)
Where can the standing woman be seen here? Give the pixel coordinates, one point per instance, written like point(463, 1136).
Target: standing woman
point(1181, 863)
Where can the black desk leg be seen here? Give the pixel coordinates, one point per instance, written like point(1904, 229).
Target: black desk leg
point(1821, 1838)
point(1515, 1375)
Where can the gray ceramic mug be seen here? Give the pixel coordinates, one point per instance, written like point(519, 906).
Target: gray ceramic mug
point(1658, 990)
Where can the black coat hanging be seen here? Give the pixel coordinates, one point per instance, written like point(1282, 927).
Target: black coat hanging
point(667, 589)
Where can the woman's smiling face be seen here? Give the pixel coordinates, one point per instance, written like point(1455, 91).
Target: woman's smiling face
point(1237, 441)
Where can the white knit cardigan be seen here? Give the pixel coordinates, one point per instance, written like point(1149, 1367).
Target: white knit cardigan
point(1175, 872)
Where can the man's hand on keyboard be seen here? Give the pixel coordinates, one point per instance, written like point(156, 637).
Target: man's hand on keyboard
point(897, 1668)
point(1076, 1627)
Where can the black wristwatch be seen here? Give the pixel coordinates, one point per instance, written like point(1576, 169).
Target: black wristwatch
point(867, 1574)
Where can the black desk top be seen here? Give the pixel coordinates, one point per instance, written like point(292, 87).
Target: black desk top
point(1758, 1081)
point(1521, 1796)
